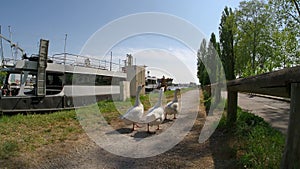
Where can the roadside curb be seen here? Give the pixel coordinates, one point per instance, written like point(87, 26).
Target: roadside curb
point(273, 97)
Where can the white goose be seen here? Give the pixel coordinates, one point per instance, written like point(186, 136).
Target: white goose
point(173, 106)
point(136, 112)
point(155, 115)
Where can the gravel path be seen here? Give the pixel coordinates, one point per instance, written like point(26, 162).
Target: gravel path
point(188, 153)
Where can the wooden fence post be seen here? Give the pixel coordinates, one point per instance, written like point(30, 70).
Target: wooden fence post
point(231, 107)
point(291, 154)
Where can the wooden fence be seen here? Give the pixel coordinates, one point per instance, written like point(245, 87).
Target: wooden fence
point(282, 83)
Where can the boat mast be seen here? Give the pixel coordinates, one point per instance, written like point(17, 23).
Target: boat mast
point(14, 47)
point(13, 44)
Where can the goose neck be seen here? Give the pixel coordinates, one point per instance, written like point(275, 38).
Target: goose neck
point(137, 98)
point(159, 103)
point(175, 96)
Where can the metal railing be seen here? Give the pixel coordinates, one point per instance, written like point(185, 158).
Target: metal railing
point(85, 61)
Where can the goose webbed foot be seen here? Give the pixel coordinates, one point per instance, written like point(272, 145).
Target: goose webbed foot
point(138, 126)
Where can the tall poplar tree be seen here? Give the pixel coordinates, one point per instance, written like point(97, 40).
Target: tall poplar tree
point(227, 31)
point(201, 61)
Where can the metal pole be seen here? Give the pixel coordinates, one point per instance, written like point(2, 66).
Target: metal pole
point(119, 64)
point(65, 46)
point(110, 60)
point(11, 45)
point(16, 51)
point(1, 46)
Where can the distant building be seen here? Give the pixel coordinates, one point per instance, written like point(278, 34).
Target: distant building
point(169, 81)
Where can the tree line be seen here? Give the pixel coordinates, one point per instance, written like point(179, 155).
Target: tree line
point(257, 37)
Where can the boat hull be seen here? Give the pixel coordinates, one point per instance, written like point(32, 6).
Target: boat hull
point(48, 103)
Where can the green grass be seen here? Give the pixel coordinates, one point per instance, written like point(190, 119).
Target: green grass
point(27, 133)
point(258, 145)
point(8, 148)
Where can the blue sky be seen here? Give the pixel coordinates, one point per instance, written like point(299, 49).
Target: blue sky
point(31, 20)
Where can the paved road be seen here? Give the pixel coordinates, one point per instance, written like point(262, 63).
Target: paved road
point(275, 112)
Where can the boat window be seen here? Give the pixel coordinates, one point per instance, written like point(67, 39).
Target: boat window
point(54, 83)
point(92, 80)
point(117, 80)
point(54, 79)
point(103, 80)
point(68, 78)
point(30, 85)
point(82, 79)
point(14, 79)
point(11, 85)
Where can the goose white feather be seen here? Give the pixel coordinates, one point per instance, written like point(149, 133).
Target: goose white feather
point(136, 112)
point(173, 106)
point(155, 115)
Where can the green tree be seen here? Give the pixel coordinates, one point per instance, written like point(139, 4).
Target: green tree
point(259, 36)
point(286, 37)
point(201, 60)
point(255, 46)
point(212, 55)
point(227, 33)
point(287, 11)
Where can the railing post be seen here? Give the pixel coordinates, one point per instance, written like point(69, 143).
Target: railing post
point(291, 154)
point(231, 107)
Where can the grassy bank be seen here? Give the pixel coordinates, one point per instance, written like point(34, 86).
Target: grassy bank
point(25, 133)
point(256, 143)
point(23, 136)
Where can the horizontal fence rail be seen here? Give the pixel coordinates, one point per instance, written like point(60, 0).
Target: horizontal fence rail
point(275, 83)
point(282, 83)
